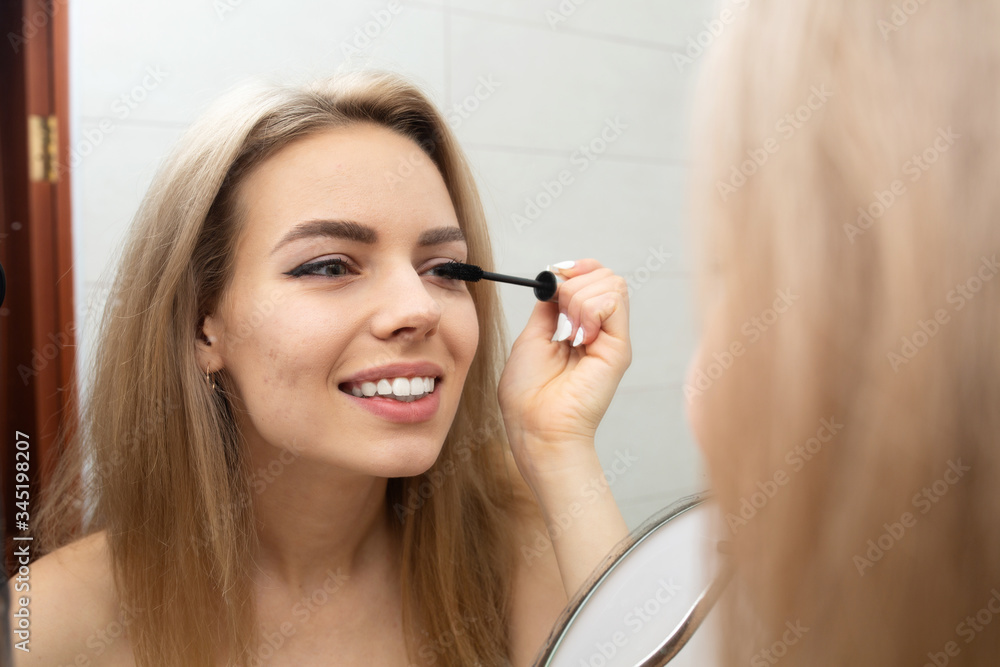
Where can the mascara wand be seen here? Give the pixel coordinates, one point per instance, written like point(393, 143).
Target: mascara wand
point(545, 283)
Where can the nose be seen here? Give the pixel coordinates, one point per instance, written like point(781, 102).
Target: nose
point(404, 307)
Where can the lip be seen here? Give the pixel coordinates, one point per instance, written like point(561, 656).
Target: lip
point(392, 410)
point(411, 369)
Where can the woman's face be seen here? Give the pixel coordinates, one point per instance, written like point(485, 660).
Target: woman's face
point(333, 296)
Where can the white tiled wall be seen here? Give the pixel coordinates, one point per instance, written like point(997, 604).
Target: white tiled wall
point(559, 73)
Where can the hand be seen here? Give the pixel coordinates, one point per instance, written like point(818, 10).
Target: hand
point(554, 394)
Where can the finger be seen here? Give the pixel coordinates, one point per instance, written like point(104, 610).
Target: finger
point(578, 275)
point(574, 268)
point(542, 321)
point(568, 293)
point(602, 306)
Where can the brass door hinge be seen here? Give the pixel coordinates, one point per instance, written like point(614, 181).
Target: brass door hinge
point(43, 148)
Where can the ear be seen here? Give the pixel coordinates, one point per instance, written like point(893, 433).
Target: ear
point(208, 349)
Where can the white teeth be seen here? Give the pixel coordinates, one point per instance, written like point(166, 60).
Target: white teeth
point(404, 389)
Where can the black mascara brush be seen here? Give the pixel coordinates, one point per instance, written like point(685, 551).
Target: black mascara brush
point(545, 283)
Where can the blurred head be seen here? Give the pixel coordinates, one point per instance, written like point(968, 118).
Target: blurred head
point(846, 387)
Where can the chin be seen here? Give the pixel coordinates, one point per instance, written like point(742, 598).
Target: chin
point(405, 458)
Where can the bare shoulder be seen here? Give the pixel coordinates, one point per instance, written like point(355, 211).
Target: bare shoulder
point(70, 603)
point(538, 597)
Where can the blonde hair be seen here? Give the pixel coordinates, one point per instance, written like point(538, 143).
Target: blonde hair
point(849, 213)
point(171, 481)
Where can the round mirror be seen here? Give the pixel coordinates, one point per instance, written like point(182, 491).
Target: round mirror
point(643, 606)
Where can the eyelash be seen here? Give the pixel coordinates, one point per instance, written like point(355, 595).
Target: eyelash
point(308, 268)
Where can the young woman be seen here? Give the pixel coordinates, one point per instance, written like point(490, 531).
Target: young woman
point(293, 425)
point(847, 396)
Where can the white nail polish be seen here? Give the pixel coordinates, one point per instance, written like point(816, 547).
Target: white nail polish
point(564, 265)
point(563, 329)
point(579, 337)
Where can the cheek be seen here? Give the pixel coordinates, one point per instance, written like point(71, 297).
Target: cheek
point(286, 347)
point(465, 333)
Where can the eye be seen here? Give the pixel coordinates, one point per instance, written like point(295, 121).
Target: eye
point(329, 268)
point(434, 271)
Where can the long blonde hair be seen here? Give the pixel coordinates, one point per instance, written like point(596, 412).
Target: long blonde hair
point(172, 483)
point(849, 216)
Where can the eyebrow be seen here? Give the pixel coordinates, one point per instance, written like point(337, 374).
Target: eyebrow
point(355, 231)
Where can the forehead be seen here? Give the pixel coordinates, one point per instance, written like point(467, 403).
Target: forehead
point(364, 173)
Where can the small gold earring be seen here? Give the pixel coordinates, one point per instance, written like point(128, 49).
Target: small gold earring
point(209, 378)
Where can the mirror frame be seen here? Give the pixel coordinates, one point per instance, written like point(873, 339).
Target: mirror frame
point(681, 634)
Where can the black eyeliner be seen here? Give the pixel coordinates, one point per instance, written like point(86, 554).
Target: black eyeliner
point(303, 269)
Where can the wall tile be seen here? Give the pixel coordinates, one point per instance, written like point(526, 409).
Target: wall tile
point(130, 61)
point(560, 90)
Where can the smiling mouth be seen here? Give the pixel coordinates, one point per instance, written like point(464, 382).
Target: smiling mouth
point(402, 389)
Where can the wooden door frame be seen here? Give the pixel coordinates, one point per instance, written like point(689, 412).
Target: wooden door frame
point(37, 330)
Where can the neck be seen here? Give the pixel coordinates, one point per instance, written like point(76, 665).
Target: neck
point(315, 521)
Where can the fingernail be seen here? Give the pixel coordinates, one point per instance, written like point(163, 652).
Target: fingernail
point(564, 265)
point(563, 329)
point(579, 337)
